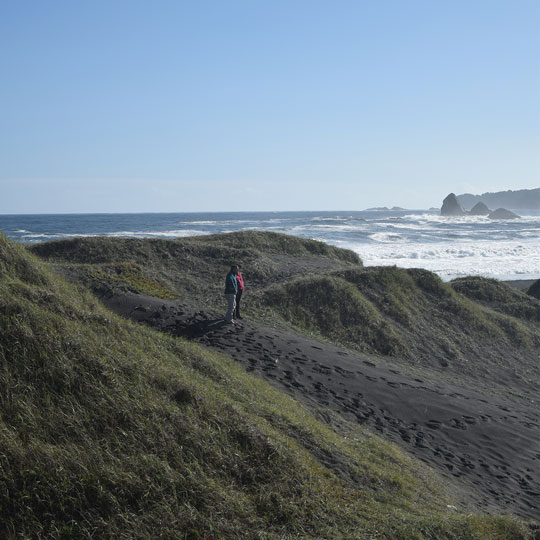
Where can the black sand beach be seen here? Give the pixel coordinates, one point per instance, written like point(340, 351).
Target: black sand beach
point(447, 371)
point(486, 445)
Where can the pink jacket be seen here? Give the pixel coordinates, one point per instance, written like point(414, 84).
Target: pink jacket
point(240, 280)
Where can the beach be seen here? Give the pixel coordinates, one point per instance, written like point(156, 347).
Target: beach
point(486, 447)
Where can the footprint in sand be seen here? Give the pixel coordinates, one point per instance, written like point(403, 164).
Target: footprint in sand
point(456, 423)
point(344, 372)
point(405, 435)
point(320, 368)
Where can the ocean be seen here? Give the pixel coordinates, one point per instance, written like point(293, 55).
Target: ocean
point(450, 247)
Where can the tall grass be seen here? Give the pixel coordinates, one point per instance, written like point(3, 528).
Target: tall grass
point(110, 430)
point(414, 315)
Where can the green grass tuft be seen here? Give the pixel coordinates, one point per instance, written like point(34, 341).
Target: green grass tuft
point(128, 277)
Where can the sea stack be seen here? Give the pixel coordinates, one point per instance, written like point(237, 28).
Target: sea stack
point(480, 209)
point(451, 206)
point(503, 213)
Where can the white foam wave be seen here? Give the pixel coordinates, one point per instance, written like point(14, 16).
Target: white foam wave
point(411, 226)
point(386, 237)
point(327, 228)
point(120, 234)
point(218, 223)
point(502, 260)
point(333, 218)
point(41, 235)
point(198, 222)
point(437, 218)
point(167, 234)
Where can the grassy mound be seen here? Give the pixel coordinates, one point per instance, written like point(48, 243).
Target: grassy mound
point(127, 277)
point(337, 309)
point(195, 268)
point(412, 314)
point(499, 297)
point(110, 430)
point(473, 326)
point(269, 242)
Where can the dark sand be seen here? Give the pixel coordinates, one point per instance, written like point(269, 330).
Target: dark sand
point(487, 446)
point(521, 284)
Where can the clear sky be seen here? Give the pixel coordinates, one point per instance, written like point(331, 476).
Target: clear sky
point(213, 105)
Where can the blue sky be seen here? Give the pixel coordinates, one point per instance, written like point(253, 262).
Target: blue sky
point(132, 106)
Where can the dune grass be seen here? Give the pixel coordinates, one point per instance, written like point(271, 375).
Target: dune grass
point(473, 327)
point(332, 306)
point(499, 297)
point(127, 277)
point(270, 242)
point(412, 314)
point(111, 430)
point(193, 268)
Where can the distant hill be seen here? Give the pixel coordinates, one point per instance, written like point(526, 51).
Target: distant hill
point(522, 199)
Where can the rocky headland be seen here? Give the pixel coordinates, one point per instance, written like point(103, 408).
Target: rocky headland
point(521, 199)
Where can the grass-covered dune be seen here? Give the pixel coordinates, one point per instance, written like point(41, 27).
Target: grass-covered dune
point(191, 269)
point(496, 295)
point(472, 326)
point(475, 326)
point(111, 430)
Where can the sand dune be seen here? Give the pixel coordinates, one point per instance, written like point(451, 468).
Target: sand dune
point(487, 446)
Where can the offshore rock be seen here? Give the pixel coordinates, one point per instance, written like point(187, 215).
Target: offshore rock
point(451, 206)
point(503, 213)
point(480, 209)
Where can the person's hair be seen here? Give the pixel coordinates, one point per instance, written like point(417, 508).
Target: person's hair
point(235, 266)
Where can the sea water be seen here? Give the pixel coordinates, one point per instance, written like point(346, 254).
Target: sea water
point(449, 246)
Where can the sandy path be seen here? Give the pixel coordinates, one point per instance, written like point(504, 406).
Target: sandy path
point(488, 445)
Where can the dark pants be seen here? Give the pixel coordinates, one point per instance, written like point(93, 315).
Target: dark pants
point(237, 310)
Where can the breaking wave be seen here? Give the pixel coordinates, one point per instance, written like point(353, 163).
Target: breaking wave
point(449, 246)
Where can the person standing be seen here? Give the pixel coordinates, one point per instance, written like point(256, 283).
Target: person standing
point(239, 293)
point(231, 289)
